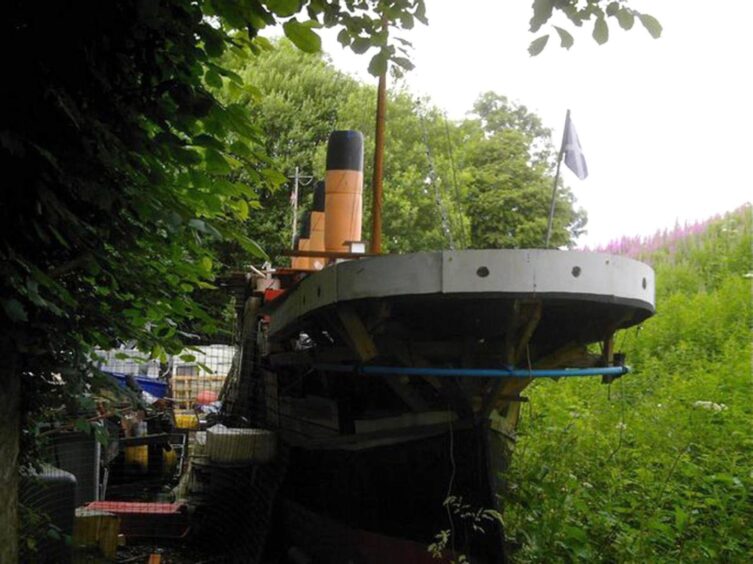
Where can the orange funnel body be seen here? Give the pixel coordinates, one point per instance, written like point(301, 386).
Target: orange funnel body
point(316, 242)
point(304, 244)
point(301, 263)
point(344, 190)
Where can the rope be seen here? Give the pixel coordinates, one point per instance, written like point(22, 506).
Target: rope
point(456, 189)
point(435, 184)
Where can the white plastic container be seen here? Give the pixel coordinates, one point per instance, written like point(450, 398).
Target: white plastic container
point(231, 445)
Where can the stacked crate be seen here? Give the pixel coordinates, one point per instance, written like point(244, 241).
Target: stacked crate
point(186, 387)
point(207, 372)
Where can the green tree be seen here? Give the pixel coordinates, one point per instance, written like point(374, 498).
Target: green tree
point(491, 175)
point(127, 171)
point(124, 172)
point(296, 107)
point(302, 100)
point(511, 158)
point(123, 176)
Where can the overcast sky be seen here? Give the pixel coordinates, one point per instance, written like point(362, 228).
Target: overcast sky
point(665, 124)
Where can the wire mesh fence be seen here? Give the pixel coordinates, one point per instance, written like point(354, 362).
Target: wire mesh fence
point(151, 471)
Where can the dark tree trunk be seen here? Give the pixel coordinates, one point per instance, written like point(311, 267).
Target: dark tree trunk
point(9, 430)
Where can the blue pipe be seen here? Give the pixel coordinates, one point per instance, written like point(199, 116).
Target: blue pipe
point(476, 372)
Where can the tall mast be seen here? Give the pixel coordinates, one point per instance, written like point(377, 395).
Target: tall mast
point(376, 182)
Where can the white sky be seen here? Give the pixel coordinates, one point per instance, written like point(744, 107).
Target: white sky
point(665, 124)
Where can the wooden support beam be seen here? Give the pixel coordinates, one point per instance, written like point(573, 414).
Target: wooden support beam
point(380, 312)
point(513, 398)
point(608, 351)
point(498, 388)
point(572, 354)
point(532, 323)
point(608, 358)
point(361, 341)
point(358, 335)
point(514, 386)
point(325, 254)
point(401, 387)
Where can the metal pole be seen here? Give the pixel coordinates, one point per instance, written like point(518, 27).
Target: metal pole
point(376, 183)
point(295, 207)
point(556, 179)
point(475, 372)
point(376, 208)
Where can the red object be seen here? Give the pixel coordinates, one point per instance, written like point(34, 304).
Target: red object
point(272, 294)
point(147, 520)
point(205, 397)
point(132, 507)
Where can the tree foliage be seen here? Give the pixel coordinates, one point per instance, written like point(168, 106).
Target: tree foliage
point(125, 172)
point(296, 102)
point(128, 183)
point(491, 174)
point(510, 190)
point(576, 13)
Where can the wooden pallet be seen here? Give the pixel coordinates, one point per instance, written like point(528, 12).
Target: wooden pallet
point(186, 388)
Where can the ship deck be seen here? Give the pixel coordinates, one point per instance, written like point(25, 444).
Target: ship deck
point(450, 296)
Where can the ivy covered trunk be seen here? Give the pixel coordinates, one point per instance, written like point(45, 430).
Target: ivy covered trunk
point(9, 427)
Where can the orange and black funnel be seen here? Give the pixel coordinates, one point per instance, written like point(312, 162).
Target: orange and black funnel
point(344, 190)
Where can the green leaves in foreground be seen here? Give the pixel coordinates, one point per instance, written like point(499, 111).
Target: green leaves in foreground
point(601, 31)
point(378, 63)
point(598, 11)
point(566, 40)
point(303, 36)
point(537, 45)
point(651, 24)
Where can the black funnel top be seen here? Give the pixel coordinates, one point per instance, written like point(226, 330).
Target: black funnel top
point(304, 230)
point(319, 196)
point(345, 151)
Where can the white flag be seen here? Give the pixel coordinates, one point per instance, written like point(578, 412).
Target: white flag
point(574, 158)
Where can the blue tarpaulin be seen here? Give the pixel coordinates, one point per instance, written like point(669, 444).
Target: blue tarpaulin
point(155, 387)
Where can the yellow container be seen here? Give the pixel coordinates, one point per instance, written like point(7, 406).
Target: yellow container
point(186, 420)
point(137, 459)
point(97, 528)
point(169, 462)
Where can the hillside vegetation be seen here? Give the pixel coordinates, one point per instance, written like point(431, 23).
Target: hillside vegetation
point(655, 467)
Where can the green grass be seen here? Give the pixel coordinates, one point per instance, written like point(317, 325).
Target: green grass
point(638, 471)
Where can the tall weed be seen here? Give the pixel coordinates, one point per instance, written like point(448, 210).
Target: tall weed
point(657, 466)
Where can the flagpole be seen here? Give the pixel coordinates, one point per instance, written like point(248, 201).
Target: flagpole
point(554, 186)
